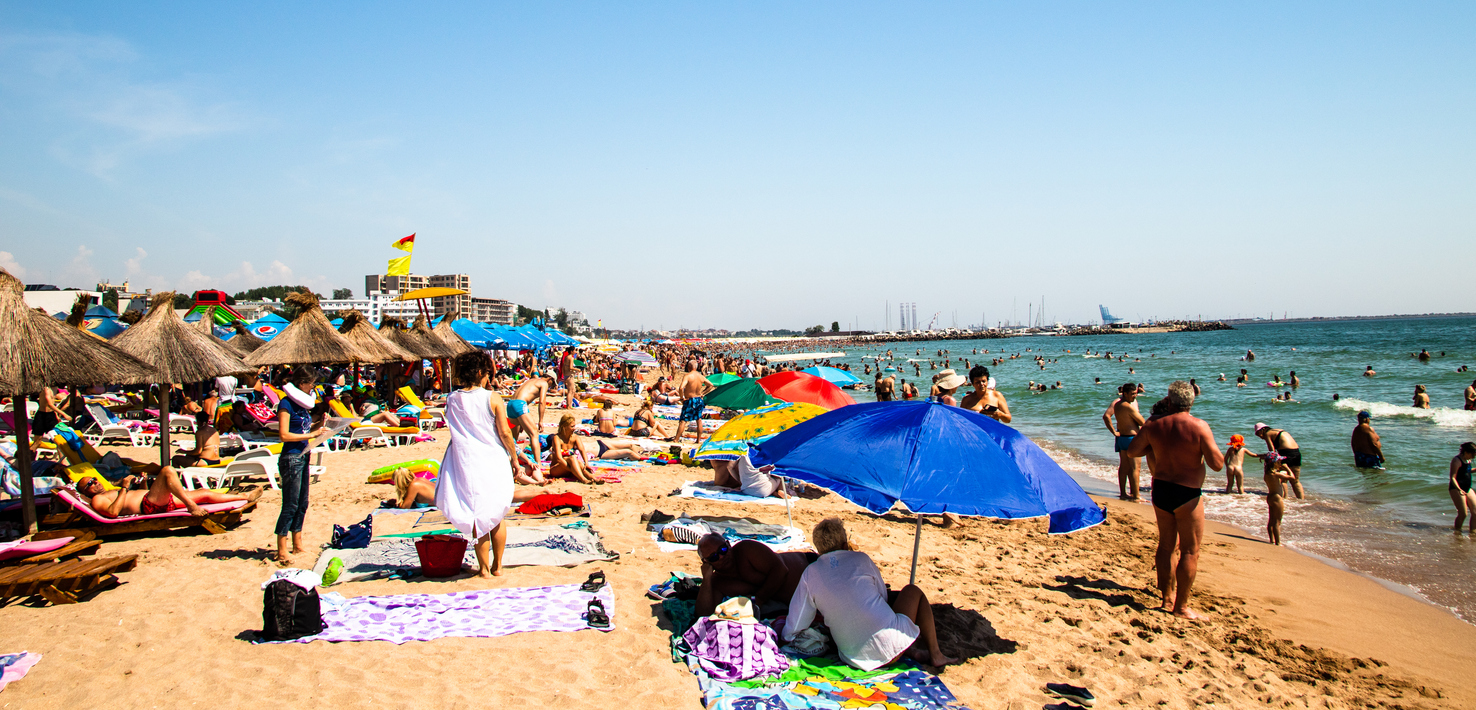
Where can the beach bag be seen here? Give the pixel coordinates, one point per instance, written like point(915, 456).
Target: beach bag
point(290, 612)
point(353, 536)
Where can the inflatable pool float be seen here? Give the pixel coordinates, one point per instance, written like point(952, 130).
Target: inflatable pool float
point(428, 469)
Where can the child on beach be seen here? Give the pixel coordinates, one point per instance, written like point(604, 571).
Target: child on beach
point(1235, 464)
point(1277, 472)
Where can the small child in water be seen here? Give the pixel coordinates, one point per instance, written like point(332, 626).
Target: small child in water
point(1277, 473)
point(1235, 464)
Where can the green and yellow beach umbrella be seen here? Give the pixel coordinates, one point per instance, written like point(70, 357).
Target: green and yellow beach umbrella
point(719, 379)
point(731, 440)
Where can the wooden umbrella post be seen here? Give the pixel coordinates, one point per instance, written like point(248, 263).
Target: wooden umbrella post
point(916, 545)
point(164, 395)
point(23, 463)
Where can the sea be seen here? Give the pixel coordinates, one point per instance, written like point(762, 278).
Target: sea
point(1392, 524)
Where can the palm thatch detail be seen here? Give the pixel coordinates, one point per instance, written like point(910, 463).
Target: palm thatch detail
point(39, 351)
point(177, 352)
point(309, 340)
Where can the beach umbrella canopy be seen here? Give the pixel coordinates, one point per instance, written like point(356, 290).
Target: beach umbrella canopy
point(539, 338)
point(514, 338)
point(718, 379)
point(643, 358)
point(309, 340)
point(446, 331)
point(105, 327)
point(731, 440)
point(268, 326)
point(243, 342)
point(801, 387)
point(393, 329)
point(40, 351)
point(374, 345)
point(934, 459)
point(422, 330)
point(833, 375)
point(101, 311)
point(743, 393)
point(477, 335)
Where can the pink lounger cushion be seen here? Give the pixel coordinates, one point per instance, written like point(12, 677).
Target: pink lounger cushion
point(10, 551)
point(87, 510)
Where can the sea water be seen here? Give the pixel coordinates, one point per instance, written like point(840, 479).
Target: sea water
point(1393, 523)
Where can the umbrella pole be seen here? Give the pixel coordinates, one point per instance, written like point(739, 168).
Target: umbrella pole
point(23, 462)
point(916, 544)
point(164, 394)
point(787, 511)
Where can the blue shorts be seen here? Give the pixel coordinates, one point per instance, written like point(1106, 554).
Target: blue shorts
point(692, 409)
point(1122, 443)
point(516, 408)
point(1367, 460)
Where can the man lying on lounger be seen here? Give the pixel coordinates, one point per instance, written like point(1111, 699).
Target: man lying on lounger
point(165, 494)
point(747, 568)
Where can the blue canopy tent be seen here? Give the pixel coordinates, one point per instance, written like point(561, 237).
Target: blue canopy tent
point(512, 338)
point(833, 375)
point(934, 459)
point(537, 336)
point(268, 326)
point(477, 335)
point(106, 327)
point(101, 311)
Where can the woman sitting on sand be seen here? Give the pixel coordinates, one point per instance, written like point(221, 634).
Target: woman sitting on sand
point(566, 453)
point(643, 422)
point(475, 486)
point(412, 491)
point(871, 625)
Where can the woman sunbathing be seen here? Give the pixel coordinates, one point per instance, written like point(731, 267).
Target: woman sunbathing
point(412, 491)
point(566, 453)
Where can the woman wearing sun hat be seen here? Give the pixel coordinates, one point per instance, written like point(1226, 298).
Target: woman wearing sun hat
point(944, 386)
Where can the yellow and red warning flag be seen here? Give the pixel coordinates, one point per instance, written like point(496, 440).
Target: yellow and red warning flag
point(406, 244)
point(401, 265)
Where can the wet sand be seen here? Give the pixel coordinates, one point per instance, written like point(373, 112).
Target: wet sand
point(1024, 608)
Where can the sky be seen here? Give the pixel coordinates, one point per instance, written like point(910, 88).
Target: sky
point(758, 164)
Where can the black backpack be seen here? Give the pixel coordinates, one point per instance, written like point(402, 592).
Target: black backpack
point(289, 612)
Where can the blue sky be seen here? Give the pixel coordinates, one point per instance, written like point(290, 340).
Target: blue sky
point(756, 164)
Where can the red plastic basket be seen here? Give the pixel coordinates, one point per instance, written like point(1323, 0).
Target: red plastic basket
point(440, 555)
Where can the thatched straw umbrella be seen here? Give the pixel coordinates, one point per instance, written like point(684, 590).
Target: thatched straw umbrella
point(40, 351)
point(178, 353)
point(309, 340)
point(393, 329)
point(245, 341)
point(379, 348)
point(450, 337)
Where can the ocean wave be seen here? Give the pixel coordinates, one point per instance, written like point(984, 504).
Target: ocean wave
point(1441, 416)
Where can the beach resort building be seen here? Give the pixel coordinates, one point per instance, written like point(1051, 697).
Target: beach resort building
point(481, 310)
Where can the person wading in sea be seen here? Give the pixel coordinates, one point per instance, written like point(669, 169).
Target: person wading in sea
point(1183, 446)
point(1367, 453)
point(1125, 410)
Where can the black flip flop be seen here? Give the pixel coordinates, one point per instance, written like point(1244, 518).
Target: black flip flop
point(1078, 695)
point(595, 583)
point(595, 615)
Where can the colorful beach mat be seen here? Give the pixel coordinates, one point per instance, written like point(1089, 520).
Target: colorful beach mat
point(543, 545)
point(14, 666)
point(477, 614)
point(907, 690)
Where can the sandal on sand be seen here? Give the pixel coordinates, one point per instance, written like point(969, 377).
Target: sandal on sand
point(595, 583)
point(595, 615)
point(1080, 696)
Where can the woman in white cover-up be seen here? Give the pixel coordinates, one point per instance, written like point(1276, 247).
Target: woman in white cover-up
point(475, 485)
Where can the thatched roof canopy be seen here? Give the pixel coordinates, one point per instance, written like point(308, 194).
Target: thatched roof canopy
point(422, 330)
point(309, 340)
point(450, 337)
point(393, 329)
point(245, 341)
point(38, 351)
point(178, 352)
point(357, 329)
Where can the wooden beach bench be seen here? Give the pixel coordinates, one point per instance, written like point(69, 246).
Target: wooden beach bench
point(83, 520)
point(65, 582)
point(51, 550)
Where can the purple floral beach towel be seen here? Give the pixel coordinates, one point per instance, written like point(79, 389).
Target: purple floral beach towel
point(482, 613)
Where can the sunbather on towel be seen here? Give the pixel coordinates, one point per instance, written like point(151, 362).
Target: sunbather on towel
point(163, 495)
point(747, 568)
point(374, 414)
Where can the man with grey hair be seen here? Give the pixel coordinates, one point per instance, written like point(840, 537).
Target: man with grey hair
point(1182, 444)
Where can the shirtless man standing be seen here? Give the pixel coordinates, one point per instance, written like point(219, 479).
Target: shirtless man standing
point(886, 385)
point(566, 375)
point(1471, 397)
point(165, 494)
point(1129, 420)
point(532, 391)
point(694, 389)
point(1367, 453)
point(747, 568)
point(1183, 444)
point(985, 399)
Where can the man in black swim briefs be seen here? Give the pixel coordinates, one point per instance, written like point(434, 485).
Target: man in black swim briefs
point(1182, 445)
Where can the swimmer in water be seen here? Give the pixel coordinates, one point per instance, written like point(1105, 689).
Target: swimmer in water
point(1369, 371)
point(1421, 399)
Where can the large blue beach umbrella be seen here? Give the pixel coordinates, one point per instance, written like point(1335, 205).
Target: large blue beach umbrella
point(833, 375)
point(512, 339)
point(934, 459)
point(476, 335)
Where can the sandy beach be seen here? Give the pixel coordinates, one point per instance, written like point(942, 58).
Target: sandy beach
point(1024, 608)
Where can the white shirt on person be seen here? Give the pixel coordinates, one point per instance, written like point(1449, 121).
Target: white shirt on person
point(752, 481)
point(225, 388)
point(848, 589)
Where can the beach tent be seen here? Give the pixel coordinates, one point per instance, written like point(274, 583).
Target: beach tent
point(178, 353)
point(477, 335)
point(561, 337)
point(106, 327)
point(934, 459)
point(539, 338)
point(833, 375)
point(268, 326)
point(101, 311)
point(243, 342)
point(513, 338)
point(41, 352)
